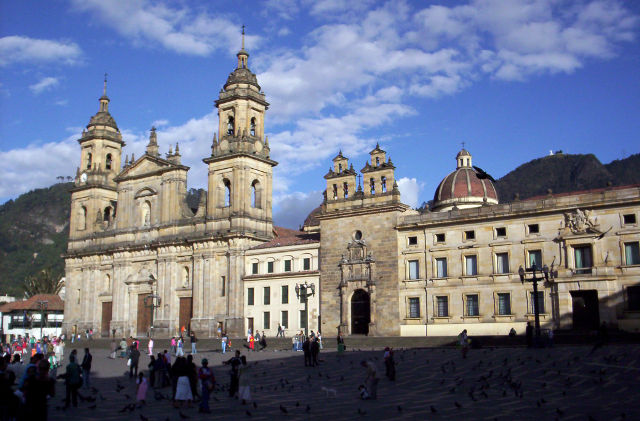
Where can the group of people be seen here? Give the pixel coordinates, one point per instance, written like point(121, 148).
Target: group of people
point(300, 338)
point(25, 388)
point(28, 346)
point(251, 340)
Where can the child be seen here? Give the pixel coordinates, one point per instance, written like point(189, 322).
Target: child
point(364, 393)
point(143, 384)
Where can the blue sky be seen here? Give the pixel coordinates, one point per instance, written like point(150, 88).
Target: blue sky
point(513, 79)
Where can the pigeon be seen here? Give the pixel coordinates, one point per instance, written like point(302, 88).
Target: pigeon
point(399, 408)
point(255, 405)
point(559, 412)
point(308, 409)
point(143, 418)
point(123, 410)
point(433, 409)
point(297, 404)
point(283, 409)
point(127, 396)
point(361, 412)
point(457, 405)
point(248, 413)
point(183, 416)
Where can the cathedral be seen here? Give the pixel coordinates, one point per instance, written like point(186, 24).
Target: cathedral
point(141, 262)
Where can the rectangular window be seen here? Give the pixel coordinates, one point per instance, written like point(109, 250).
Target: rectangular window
point(414, 307)
point(469, 235)
point(583, 259)
point(533, 228)
point(472, 305)
point(633, 298)
point(287, 265)
point(250, 296)
point(441, 267)
point(629, 219)
point(267, 296)
point(440, 238)
point(413, 241)
point(285, 294)
point(502, 262)
point(414, 269)
point(78, 295)
point(267, 320)
point(540, 302)
point(501, 232)
point(224, 285)
point(269, 267)
point(254, 268)
point(631, 254)
point(442, 306)
point(535, 258)
point(470, 265)
point(504, 304)
point(306, 263)
point(284, 319)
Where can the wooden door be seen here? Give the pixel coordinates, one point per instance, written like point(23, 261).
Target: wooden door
point(106, 318)
point(186, 312)
point(144, 316)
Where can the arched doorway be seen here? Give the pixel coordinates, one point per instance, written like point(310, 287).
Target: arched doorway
point(360, 312)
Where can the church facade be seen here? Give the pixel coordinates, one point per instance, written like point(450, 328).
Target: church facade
point(140, 261)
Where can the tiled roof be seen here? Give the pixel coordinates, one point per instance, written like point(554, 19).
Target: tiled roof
point(288, 237)
point(54, 303)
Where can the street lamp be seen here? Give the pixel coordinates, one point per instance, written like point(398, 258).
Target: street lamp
point(534, 279)
point(43, 308)
point(304, 290)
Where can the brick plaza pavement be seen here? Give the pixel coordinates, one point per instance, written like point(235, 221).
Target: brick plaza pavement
point(563, 383)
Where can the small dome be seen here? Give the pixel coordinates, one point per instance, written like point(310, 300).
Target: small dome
point(311, 220)
point(242, 75)
point(463, 189)
point(103, 118)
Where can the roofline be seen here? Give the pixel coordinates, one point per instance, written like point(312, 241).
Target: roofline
point(313, 244)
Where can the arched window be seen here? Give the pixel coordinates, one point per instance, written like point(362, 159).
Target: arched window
point(146, 213)
point(339, 167)
point(383, 184)
point(230, 126)
point(252, 128)
point(82, 218)
point(256, 194)
point(107, 282)
point(106, 216)
point(372, 184)
point(345, 187)
point(89, 160)
point(335, 191)
point(227, 192)
point(185, 277)
point(108, 161)
point(377, 161)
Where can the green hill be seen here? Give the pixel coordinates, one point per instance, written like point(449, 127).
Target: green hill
point(34, 230)
point(564, 173)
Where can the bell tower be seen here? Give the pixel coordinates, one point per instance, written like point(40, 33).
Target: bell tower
point(240, 168)
point(93, 198)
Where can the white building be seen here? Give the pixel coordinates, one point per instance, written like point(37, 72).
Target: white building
point(274, 273)
point(20, 318)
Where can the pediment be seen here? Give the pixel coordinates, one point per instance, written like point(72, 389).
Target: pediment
point(145, 166)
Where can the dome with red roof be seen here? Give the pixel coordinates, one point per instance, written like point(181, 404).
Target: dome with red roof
point(463, 189)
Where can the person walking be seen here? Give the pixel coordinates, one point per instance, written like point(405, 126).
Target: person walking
point(263, 341)
point(207, 380)
point(279, 331)
point(463, 341)
point(86, 368)
point(150, 346)
point(306, 348)
point(173, 345)
point(244, 379)
point(38, 387)
point(389, 364)
point(134, 357)
point(194, 340)
point(223, 342)
point(315, 351)
point(72, 381)
point(371, 380)
point(234, 362)
point(529, 334)
point(252, 343)
point(143, 385)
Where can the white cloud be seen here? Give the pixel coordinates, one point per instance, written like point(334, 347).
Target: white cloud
point(61, 102)
point(179, 29)
point(45, 84)
point(410, 190)
point(290, 210)
point(20, 49)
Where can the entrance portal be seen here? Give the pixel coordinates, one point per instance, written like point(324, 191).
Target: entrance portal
point(144, 316)
point(360, 312)
point(586, 313)
point(186, 312)
point(106, 318)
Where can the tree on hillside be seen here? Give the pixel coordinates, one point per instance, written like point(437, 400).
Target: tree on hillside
point(42, 282)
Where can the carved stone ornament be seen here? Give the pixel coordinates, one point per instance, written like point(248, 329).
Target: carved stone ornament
point(581, 222)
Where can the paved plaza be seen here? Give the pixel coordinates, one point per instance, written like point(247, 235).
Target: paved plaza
point(564, 383)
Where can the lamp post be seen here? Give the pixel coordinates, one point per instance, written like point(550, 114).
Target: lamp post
point(534, 279)
point(43, 309)
point(152, 301)
point(303, 291)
